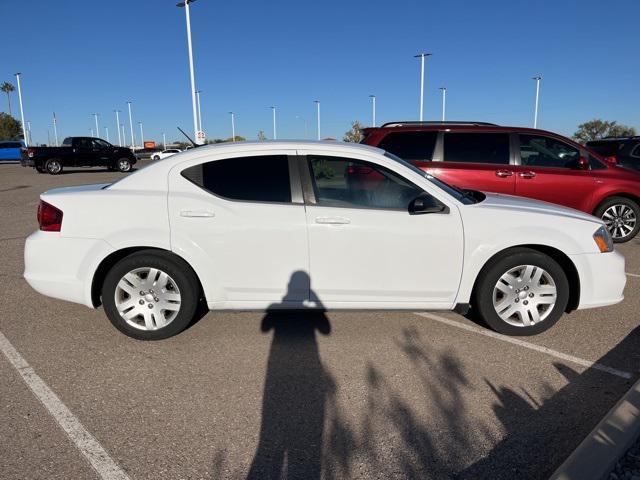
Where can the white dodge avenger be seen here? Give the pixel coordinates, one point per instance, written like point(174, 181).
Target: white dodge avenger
point(311, 225)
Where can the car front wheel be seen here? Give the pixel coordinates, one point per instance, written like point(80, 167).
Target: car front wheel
point(621, 216)
point(53, 166)
point(124, 165)
point(523, 293)
point(150, 296)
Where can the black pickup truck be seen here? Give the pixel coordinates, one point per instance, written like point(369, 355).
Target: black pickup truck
point(78, 152)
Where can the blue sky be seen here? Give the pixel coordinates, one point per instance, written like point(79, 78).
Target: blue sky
point(83, 57)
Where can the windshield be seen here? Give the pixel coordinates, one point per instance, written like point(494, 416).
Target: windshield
point(455, 192)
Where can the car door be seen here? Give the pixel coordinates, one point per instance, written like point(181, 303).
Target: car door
point(476, 161)
point(102, 153)
point(366, 249)
point(553, 171)
point(241, 219)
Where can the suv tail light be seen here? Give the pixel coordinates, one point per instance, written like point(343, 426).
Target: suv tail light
point(49, 217)
point(30, 152)
point(611, 160)
point(355, 170)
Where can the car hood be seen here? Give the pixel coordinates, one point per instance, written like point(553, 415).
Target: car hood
point(528, 205)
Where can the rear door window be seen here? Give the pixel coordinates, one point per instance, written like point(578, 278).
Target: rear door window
point(410, 145)
point(490, 148)
point(539, 151)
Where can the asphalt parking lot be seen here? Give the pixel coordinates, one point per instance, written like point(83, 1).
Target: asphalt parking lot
point(342, 395)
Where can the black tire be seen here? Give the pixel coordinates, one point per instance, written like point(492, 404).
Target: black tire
point(123, 165)
point(179, 271)
point(493, 271)
point(155, 157)
point(630, 217)
point(53, 166)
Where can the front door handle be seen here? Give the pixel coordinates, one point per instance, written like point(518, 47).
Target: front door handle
point(503, 173)
point(333, 220)
point(527, 174)
point(197, 213)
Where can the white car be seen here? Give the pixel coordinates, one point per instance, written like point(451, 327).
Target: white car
point(165, 153)
point(312, 225)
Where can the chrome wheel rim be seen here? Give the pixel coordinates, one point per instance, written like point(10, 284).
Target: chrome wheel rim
point(524, 296)
point(147, 298)
point(620, 220)
point(124, 165)
point(54, 167)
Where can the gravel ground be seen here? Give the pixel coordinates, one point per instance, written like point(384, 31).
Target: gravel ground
point(628, 467)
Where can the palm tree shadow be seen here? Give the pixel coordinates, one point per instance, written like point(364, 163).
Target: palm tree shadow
point(296, 391)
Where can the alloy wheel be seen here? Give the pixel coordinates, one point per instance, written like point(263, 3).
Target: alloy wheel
point(620, 220)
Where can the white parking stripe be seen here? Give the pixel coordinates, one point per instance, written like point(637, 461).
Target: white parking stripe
point(530, 346)
point(97, 456)
point(633, 274)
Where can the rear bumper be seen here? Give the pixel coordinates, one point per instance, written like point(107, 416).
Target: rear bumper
point(602, 278)
point(27, 162)
point(62, 267)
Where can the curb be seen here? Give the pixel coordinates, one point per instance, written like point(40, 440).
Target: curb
point(597, 455)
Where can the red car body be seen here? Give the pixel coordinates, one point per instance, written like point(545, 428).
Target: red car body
point(535, 166)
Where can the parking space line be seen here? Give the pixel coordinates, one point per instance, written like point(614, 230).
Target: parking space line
point(97, 456)
point(632, 274)
point(530, 346)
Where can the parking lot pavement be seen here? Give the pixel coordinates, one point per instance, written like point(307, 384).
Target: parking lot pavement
point(342, 395)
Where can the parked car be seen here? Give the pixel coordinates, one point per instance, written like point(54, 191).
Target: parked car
point(165, 153)
point(625, 151)
point(78, 152)
point(255, 226)
point(11, 150)
point(519, 161)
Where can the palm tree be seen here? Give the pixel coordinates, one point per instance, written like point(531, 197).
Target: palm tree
point(8, 88)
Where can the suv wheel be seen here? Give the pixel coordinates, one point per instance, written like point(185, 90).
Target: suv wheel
point(621, 216)
point(124, 165)
point(53, 166)
point(150, 296)
point(522, 293)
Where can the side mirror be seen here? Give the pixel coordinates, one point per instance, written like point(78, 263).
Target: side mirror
point(425, 203)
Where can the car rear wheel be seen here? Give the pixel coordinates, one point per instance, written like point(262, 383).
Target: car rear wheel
point(150, 296)
point(53, 166)
point(123, 165)
point(621, 216)
point(523, 293)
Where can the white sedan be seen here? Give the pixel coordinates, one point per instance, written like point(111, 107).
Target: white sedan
point(165, 153)
point(311, 225)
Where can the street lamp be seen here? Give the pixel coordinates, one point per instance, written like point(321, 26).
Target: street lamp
point(317, 102)
point(185, 4)
point(306, 135)
point(91, 131)
point(141, 135)
point(55, 128)
point(24, 127)
point(537, 78)
point(133, 137)
point(444, 100)
point(198, 92)
point(124, 136)
point(373, 106)
point(118, 126)
point(164, 141)
point(29, 131)
point(275, 133)
point(422, 56)
point(233, 126)
point(106, 129)
point(95, 116)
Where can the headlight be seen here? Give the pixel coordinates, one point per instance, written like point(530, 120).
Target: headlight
point(603, 240)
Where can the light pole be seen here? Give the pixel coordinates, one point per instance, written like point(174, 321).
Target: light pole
point(91, 130)
point(95, 116)
point(373, 107)
point(133, 138)
point(141, 135)
point(24, 127)
point(29, 131)
point(164, 141)
point(124, 136)
point(233, 126)
point(198, 92)
point(55, 128)
point(185, 4)
point(306, 134)
point(317, 102)
point(118, 126)
point(537, 78)
point(106, 129)
point(444, 100)
point(275, 132)
point(422, 56)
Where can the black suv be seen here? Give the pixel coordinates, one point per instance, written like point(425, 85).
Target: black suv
point(625, 150)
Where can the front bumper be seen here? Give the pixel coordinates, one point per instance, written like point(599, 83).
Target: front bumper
point(62, 267)
point(602, 278)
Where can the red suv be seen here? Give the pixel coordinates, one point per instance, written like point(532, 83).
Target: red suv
point(518, 161)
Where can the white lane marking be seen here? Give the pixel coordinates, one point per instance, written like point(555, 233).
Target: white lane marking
point(531, 346)
point(97, 456)
point(633, 274)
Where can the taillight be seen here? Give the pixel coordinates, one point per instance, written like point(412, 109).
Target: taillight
point(30, 152)
point(354, 170)
point(49, 217)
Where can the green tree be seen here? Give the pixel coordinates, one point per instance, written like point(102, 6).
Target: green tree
point(354, 134)
point(10, 128)
point(597, 128)
point(7, 88)
point(261, 135)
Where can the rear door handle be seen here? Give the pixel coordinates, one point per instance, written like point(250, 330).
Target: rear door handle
point(333, 220)
point(527, 174)
point(503, 173)
point(197, 213)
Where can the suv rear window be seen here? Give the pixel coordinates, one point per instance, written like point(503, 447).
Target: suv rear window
point(606, 149)
point(410, 145)
point(476, 148)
